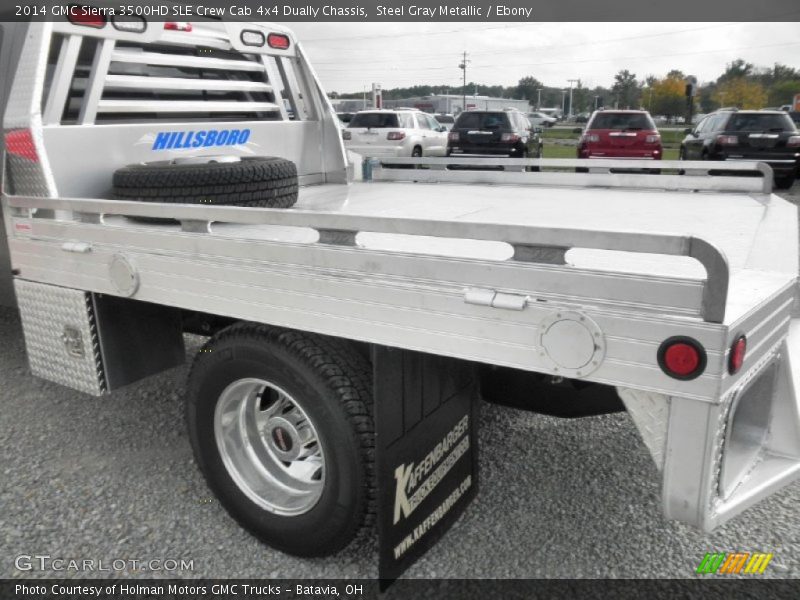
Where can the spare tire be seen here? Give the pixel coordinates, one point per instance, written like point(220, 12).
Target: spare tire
point(264, 181)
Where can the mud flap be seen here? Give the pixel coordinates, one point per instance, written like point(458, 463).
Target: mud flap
point(426, 452)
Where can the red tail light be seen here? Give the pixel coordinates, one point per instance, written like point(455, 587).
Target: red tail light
point(509, 137)
point(19, 142)
point(682, 358)
point(736, 355)
point(727, 140)
point(653, 139)
point(395, 135)
point(278, 41)
point(86, 16)
point(590, 137)
point(793, 141)
point(178, 26)
point(453, 136)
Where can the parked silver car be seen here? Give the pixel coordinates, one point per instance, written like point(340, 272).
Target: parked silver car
point(539, 119)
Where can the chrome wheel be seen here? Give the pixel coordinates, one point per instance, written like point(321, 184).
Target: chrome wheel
point(269, 446)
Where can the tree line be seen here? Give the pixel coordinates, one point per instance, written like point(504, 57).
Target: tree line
point(742, 84)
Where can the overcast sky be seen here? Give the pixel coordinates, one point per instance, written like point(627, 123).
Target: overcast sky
point(348, 56)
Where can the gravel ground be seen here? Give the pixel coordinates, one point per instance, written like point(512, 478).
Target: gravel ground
point(113, 477)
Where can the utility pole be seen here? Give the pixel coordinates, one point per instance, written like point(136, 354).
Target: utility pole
point(571, 81)
point(596, 101)
point(463, 67)
point(563, 102)
point(691, 91)
point(539, 98)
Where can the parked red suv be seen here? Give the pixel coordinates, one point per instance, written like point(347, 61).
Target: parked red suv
point(620, 134)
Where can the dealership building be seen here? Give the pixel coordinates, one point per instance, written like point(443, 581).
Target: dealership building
point(438, 103)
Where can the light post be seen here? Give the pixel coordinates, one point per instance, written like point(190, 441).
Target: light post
point(539, 98)
point(571, 81)
point(563, 101)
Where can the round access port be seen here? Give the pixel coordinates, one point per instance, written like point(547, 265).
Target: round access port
point(571, 344)
point(123, 275)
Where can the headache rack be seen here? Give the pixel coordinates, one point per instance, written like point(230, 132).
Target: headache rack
point(193, 75)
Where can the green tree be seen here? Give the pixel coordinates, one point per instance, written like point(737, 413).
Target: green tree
point(494, 90)
point(778, 73)
point(741, 92)
point(527, 89)
point(581, 101)
point(669, 97)
point(782, 72)
point(626, 89)
point(735, 70)
point(676, 74)
point(601, 96)
point(705, 98)
point(783, 92)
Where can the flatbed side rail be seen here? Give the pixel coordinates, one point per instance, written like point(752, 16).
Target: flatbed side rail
point(528, 242)
point(705, 176)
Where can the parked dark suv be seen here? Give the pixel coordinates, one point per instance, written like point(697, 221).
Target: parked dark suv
point(730, 134)
point(494, 132)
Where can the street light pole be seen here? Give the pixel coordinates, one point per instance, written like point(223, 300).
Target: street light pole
point(571, 81)
point(563, 101)
point(539, 98)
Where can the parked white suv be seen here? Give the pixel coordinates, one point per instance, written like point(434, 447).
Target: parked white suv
point(399, 132)
point(539, 119)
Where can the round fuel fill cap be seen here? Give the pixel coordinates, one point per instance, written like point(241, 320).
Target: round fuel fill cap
point(571, 344)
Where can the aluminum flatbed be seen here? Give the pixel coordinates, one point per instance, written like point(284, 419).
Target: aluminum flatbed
point(415, 258)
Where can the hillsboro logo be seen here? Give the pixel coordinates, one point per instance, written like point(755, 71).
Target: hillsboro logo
point(174, 140)
point(734, 563)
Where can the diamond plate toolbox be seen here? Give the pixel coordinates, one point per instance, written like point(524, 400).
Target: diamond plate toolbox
point(61, 336)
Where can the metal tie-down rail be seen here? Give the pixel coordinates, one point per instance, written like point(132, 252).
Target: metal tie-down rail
point(334, 228)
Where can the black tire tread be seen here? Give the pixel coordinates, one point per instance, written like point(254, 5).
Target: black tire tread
point(254, 181)
point(343, 368)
